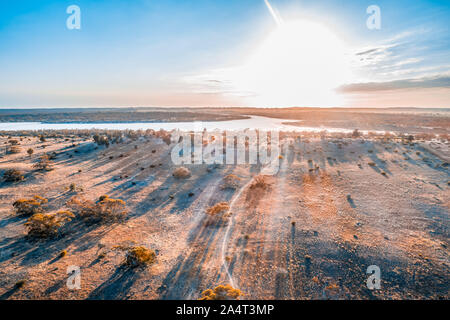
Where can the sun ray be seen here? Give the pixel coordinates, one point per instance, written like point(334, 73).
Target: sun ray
point(274, 14)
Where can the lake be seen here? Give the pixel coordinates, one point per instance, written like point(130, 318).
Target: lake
point(255, 122)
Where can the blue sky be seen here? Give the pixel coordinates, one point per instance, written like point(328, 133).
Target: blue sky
point(197, 53)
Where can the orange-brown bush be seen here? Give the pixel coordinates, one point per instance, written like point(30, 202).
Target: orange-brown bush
point(47, 225)
point(218, 208)
point(231, 181)
point(13, 175)
point(260, 183)
point(221, 292)
point(29, 206)
point(140, 256)
point(106, 209)
point(218, 214)
point(181, 173)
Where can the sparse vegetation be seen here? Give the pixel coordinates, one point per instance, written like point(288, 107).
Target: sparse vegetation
point(218, 208)
point(105, 209)
point(44, 163)
point(29, 207)
point(13, 175)
point(42, 225)
point(231, 181)
point(260, 182)
point(181, 173)
point(139, 257)
point(221, 292)
point(13, 149)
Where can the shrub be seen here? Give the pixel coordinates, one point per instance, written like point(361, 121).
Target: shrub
point(181, 173)
point(218, 214)
point(218, 208)
point(260, 182)
point(13, 150)
point(231, 181)
point(74, 188)
point(372, 164)
point(29, 206)
point(106, 209)
point(103, 197)
point(101, 140)
point(221, 292)
point(356, 134)
point(44, 163)
point(13, 142)
point(47, 225)
point(139, 257)
point(13, 175)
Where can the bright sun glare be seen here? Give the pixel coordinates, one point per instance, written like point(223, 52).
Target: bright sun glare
point(299, 63)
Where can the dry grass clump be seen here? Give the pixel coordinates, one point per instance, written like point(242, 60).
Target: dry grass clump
point(13, 175)
point(231, 181)
point(74, 188)
point(13, 142)
point(260, 183)
point(181, 173)
point(221, 292)
point(218, 214)
point(139, 257)
point(47, 225)
point(13, 149)
point(218, 208)
point(29, 207)
point(105, 209)
point(101, 140)
point(44, 163)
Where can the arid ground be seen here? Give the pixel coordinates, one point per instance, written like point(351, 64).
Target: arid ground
point(336, 206)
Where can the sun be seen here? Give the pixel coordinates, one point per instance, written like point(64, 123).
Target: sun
point(299, 63)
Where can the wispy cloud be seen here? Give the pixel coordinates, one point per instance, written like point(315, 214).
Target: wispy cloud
point(423, 83)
